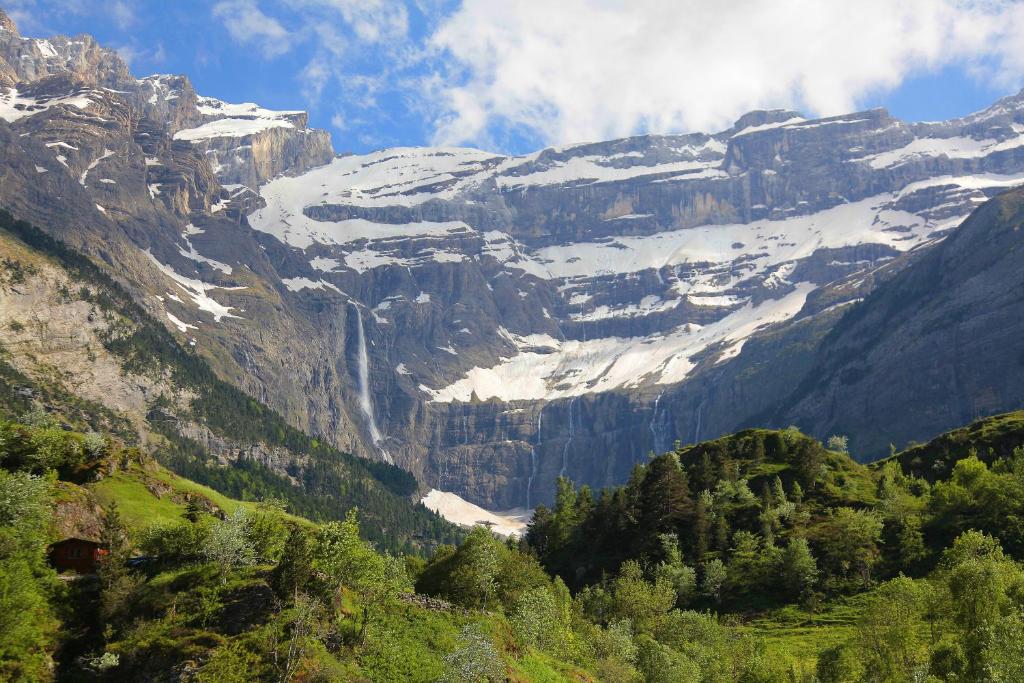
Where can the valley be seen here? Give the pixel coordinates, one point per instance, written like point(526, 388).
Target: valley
point(735, 406)
point(432, 306)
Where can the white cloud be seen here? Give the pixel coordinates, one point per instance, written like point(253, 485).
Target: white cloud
point(132, 54)
point(122, 13)
point(372, 20)
point(593, 69)
point(314, 77)
point(247, 24)
point(129, 53)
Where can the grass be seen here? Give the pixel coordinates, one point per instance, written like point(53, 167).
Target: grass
point(539, 667)
point(141, 507)
point(408, 643)
point(766, 470)
point(796, 636)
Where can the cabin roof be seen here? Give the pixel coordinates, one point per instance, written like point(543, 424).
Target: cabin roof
point(74, 539)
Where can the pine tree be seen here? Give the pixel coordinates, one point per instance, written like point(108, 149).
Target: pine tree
point(721, 532)
point(911, 543)
point(702, 525)
point(584, 504)
point(564, 515)
point(116, 580)
point(778, 492)
point(798, 570)
point(296, 566)
point(797, 494)
point(193, 509)
point(665, 502)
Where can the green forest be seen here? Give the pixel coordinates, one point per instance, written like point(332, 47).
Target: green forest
point(761, 556)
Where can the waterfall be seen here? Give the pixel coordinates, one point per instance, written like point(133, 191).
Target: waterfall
point(654, 429)
point(533, 459)
point(365, 400)
point(568, 442)
point(533, 471)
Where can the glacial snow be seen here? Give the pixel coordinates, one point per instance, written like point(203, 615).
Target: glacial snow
point(211, 106)
point(237, 120)
point(198, 291)
point(194, 255)
point(462, 512)
point(297, 284)
point(182, 326)
point(390, 177)
point(230, 128)
point(953, 147)
point(588, 169)
point(283, 217)
point(769, 126)
point(93, 164)
point(573, 367)
point(771, 242)
point(14, 106)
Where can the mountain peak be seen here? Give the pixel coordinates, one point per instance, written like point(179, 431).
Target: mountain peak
point(7, 24)
point(760, 117)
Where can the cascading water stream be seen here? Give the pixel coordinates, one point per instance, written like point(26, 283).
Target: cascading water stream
point(365, 400)
point(657, 429)
point(533, 460)
point(568, 442)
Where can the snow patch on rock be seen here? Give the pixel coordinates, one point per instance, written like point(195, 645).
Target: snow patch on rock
point(460, 511)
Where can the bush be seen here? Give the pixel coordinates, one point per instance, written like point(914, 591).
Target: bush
point(661, 664)
point(535, 619)
point(176, 544)
point(475, 660)
point(229, 543)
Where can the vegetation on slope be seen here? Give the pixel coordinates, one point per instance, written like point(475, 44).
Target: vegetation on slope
point(224, 590)
point(760, 556)
point(834, 572)
point(330, 482)
point(990, 439)
point(829, 561)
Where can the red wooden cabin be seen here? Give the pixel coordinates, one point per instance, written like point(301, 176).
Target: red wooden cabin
point(77, 554)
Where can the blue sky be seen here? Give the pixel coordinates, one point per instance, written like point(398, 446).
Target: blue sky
point(517, 75)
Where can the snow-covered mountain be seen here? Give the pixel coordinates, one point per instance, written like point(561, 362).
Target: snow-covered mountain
point(489, 322)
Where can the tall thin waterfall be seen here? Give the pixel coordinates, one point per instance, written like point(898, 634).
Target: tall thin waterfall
point(568, 442)
point(656, 428)
point(533, 460)
point(365, 400)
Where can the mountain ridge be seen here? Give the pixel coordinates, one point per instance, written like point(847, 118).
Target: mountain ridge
point(519, 314)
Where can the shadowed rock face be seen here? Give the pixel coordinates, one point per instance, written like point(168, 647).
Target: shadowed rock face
point(940, 344)
point(563, 312)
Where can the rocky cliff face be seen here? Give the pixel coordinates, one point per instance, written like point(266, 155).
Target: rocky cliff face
point(941, 343)
point(569, 311)
point(492, 322)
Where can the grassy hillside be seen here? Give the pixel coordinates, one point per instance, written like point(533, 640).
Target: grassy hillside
point(834, 572)
point(229, 590)
point(990, 439)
